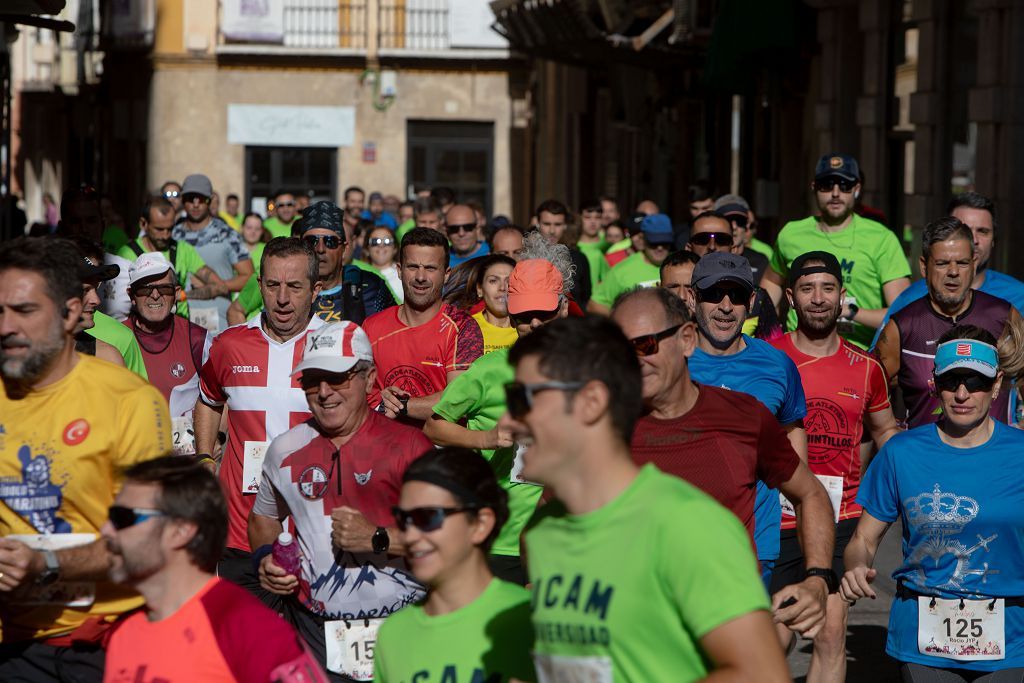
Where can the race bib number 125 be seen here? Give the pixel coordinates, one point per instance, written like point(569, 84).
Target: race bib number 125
point(971, 633)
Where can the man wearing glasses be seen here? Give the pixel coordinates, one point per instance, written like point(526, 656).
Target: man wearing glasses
point(461, 226)
point(221, 248)
point(280, 223)
point(875, 270)
point(735, 209)
point(171, 191)
point(337, 476)
point(641, 269)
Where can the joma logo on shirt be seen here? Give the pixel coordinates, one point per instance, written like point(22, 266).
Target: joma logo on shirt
point(555, 591)
point(245, 369)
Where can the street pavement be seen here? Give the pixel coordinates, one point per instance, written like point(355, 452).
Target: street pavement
point(866, 633)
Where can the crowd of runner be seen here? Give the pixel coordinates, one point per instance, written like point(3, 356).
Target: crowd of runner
point(408, 442)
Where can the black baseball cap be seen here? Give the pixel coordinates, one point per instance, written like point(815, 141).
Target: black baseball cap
point(88, 272)
point(831, 266)
point(837, 165)
point(721, 266)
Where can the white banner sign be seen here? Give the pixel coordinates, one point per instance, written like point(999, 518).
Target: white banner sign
point(253, 20)
point(470, 25)
point(291, 126)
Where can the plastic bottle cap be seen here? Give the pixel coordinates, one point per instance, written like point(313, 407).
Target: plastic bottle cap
point(284, 538)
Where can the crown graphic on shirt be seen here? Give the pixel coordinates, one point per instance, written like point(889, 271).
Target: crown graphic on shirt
point(942, 512)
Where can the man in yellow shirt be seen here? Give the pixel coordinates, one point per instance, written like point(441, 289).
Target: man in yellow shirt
point(69, 424)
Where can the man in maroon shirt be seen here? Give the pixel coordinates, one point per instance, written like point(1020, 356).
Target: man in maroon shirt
point(720, 441)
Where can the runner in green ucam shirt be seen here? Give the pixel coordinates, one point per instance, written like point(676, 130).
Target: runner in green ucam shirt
point(476, 398)
point(638, 270)
point(636, 575)
point(471, 626)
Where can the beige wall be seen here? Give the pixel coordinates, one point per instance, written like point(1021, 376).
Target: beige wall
point(188, 119)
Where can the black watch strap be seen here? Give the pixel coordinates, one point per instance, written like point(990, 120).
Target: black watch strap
point(381, 541)
point(831, 579)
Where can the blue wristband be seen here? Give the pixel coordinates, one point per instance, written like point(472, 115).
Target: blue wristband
point(259, 554)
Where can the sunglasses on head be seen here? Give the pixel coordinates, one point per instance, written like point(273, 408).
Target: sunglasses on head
point(703, 239)
point(519, 396)
point(122, 517)
point(647, 344)
point(826, 184)
point(527, 317)
point(425, 518)
point(714, 295)
point(330, 241)
point(465, 227)
point(972, 381)
point(381, 241)
point(147, 290)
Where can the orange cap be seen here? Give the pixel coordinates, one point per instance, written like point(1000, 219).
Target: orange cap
point(534, 286)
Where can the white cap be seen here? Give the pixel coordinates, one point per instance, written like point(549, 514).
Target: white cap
point(147, 265)
point(336, 347)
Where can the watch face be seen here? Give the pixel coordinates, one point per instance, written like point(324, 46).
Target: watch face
point(48, 577)
point(381, 541)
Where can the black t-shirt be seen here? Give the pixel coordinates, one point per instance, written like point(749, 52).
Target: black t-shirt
point(758, 264)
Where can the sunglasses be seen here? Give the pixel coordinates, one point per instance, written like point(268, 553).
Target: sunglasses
point(519, 396)
point(714, 295)
point(190, 198)
point(381, 242)
point(337, 380)
point(425, 518)
point(122, 517)
point(972, 381)
point(647, 344)
point(285, 204)
point(456, 229)
point(704, 238)
point(527, 317)
point(145, 291)
point(826, 184)
point(330, 241)
point(170, 194)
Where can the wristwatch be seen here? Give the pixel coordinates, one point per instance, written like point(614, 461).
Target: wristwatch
point(381, 541)
point(51, 572)
point(831, 580)
point(854, 309)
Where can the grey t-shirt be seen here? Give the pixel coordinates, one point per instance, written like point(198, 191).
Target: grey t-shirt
point(222, 248)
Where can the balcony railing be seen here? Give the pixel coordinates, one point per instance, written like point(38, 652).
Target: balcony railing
point(402, 25)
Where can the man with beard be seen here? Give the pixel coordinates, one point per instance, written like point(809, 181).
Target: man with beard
point(722, 442)
point(250, 373)
point(156, 221)
point(422, 345)
point(846, 390)
point(165, 532)
point(875, 270)
point(906, 346)
point(69, 425)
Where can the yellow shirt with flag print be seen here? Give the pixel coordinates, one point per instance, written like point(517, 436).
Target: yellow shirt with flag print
point(62, 451)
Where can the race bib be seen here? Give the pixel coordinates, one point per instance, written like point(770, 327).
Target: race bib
point(183, 437)
point(834, 488)
point(205, 317)
point(976, 632)
point(516, 475)
point(350, 647)
point(65, 593)
point(253, 453)
point(562, 669)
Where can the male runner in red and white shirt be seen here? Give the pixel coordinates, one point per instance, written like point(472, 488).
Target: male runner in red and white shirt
point(250, 372)
point(420, 346)
point(845, 388)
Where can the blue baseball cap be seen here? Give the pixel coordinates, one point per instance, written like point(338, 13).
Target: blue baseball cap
point(967, 354)
point(841, 165)
point(657, 229)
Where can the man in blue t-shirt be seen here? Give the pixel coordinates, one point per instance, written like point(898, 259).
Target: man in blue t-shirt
point(978, 212)
point(721, 294)
point(958, 491)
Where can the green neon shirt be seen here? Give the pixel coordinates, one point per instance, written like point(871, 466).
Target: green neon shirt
point(404, 228)
point(278, 228)
point(478, 395)
point(594, 251)
point(250, 298)
point(868, 252)
point(114, 237)
point(760, 247)
point(487, 640)
point(631, 588)
point(634, 271)
point(119, 336)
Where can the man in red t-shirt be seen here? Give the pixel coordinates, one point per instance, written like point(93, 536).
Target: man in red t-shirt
point(845, 388)
point(720, 441)
point(420, 346)
point(165, 533)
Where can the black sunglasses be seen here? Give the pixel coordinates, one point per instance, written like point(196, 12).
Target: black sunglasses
point(465, 227)
point(527, 317)
point(972, 381)
point(519, 396)
point(647, 344)
point(144, 291)
point(425, 518)
point(190, 198)
point(826, 184)
point(330, 241)
point(122, 517)
point(723, 239)
point(714, 295)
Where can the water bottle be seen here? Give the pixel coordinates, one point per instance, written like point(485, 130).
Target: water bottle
point(286, 554)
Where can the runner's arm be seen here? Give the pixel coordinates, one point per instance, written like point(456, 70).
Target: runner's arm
point(20, 565)
point(882, 426)
point(236, 314)
point(206, 424)
point(212, 287)
point(860, 556)
point(445, 433)
point(745, 649)
point(263, 530)
point(774, 284)
point(105, 351)
point(887, 350)
point(797, 436)
point(417, 407)
point(873, 317)
point(243, 269)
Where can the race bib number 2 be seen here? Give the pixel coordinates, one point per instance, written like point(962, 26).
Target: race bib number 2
point(975, 632)
point(350, 646)
point(183, 436)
